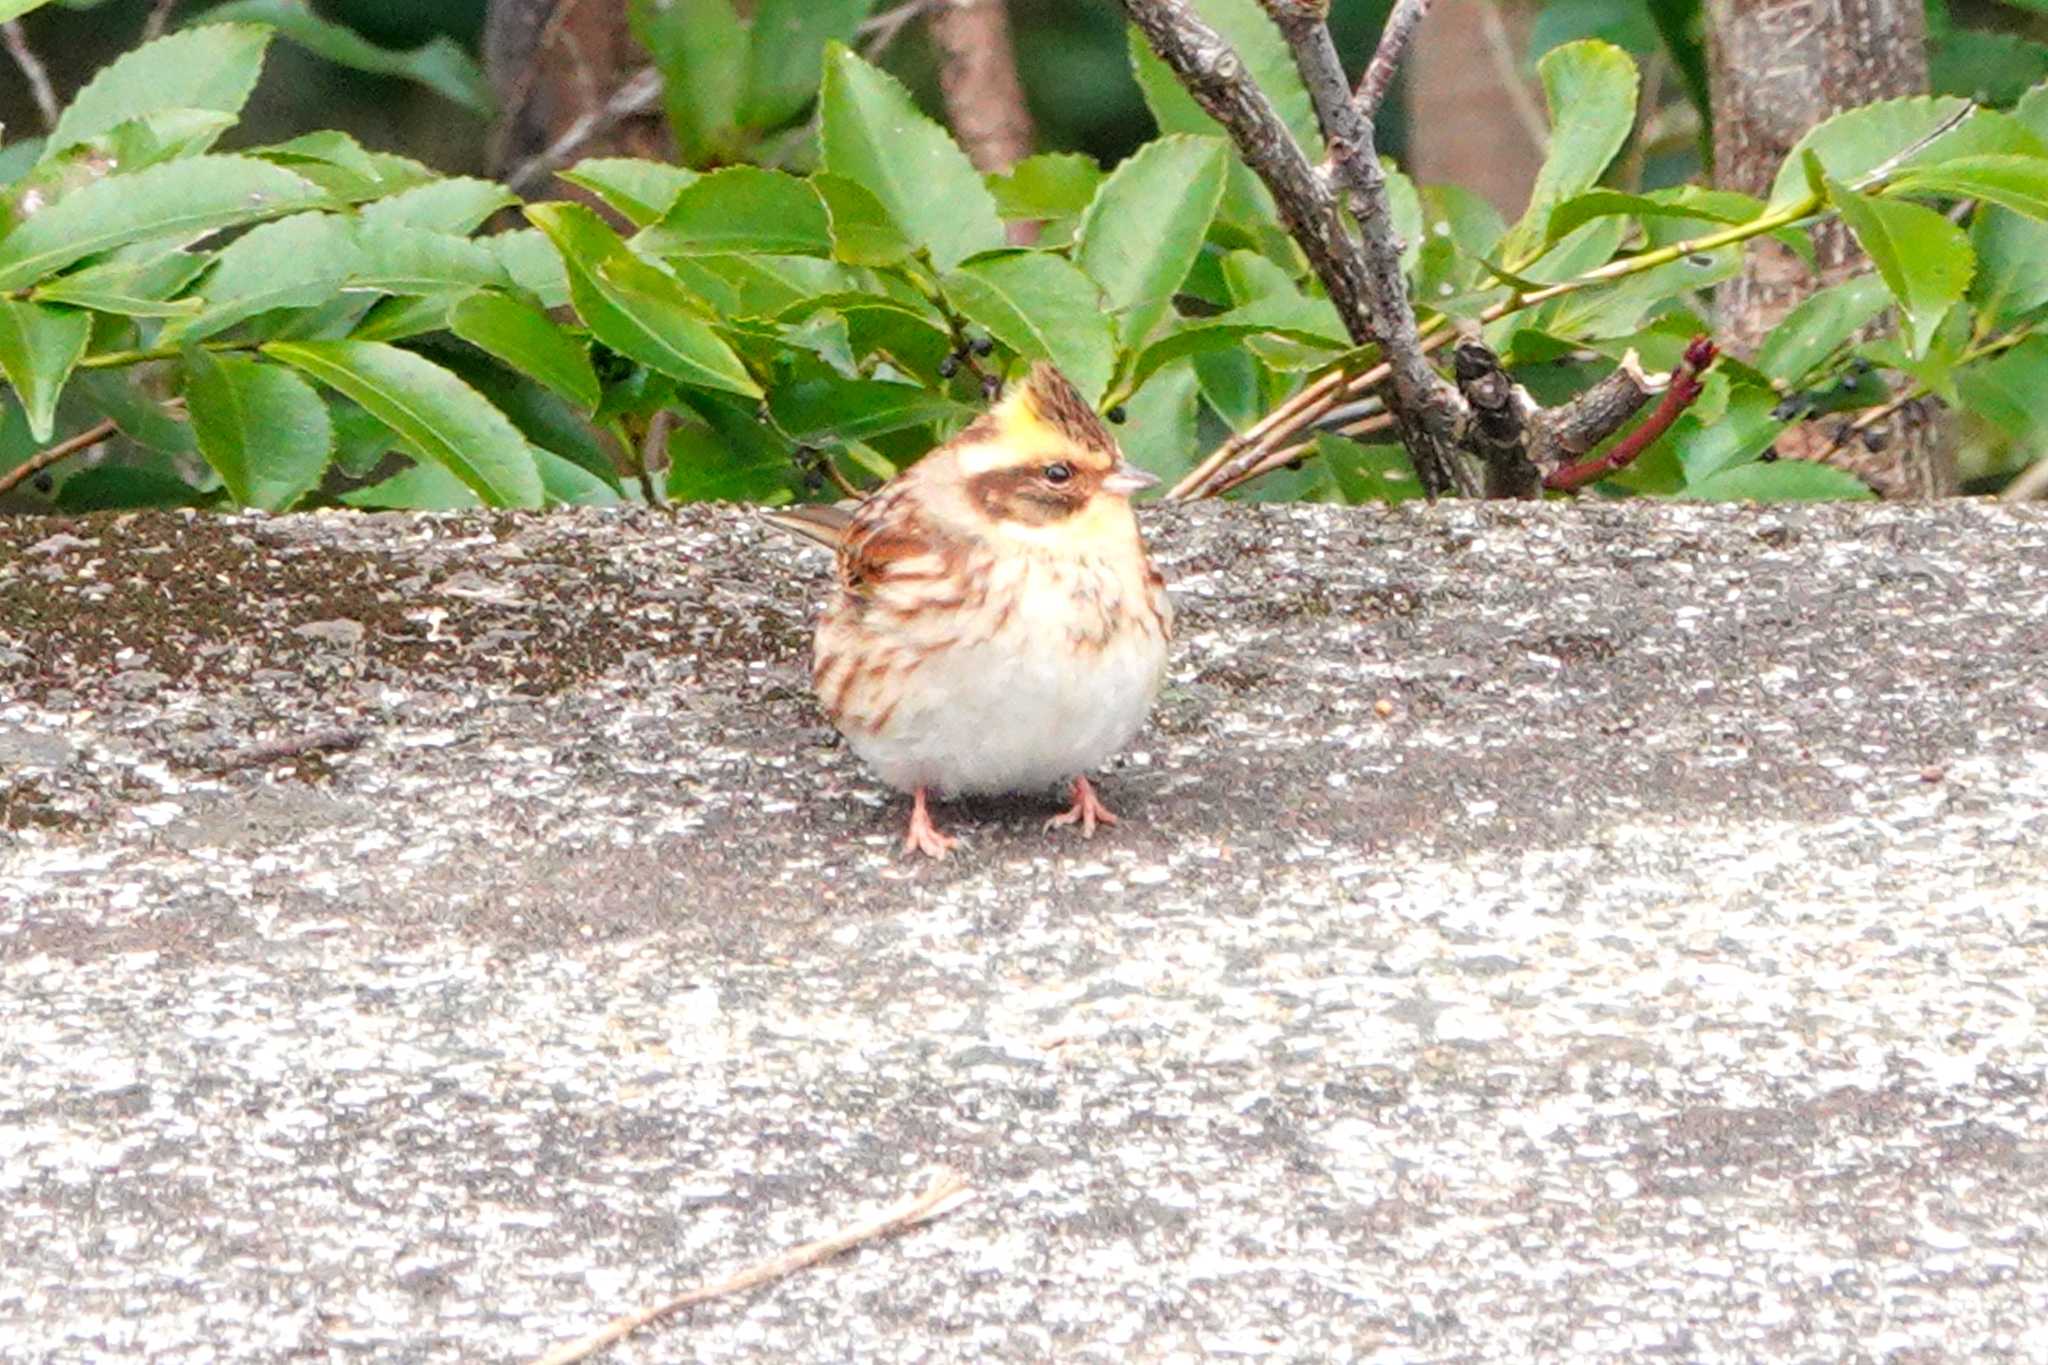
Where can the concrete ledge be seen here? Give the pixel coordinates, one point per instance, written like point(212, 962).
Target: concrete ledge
point(1554, 931)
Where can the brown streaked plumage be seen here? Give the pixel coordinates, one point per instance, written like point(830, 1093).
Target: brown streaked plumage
point(997, 625)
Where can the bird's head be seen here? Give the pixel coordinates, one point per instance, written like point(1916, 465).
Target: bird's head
point(1042, 465)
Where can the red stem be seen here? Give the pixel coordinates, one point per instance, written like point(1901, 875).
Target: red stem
point(1685, 386)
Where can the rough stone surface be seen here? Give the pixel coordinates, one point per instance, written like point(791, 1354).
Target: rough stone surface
point(1560, 932)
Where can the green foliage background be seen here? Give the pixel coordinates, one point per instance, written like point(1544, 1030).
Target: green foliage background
point(335, 312)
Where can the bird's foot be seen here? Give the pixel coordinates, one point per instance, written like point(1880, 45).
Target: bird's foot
point(923, 836)
point(1087, 810)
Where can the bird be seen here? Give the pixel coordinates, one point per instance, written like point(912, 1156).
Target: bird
point(997, 624)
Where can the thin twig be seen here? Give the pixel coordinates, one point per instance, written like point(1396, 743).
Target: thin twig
point(32, 68)
point(64, 449)
point(1386, 59)
point(640, 93)
point(159, 19)
point(945, 1193)
point(877, 33)
point(653, 447)
point(1500, 45)
point(263, 755)
point(1678, 396)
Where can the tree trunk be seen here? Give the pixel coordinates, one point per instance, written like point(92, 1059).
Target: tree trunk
point(1777, 68)
point(978, 76)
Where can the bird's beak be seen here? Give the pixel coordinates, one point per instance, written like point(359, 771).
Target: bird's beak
point(1126, 478)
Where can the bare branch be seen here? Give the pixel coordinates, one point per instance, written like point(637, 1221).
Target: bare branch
point(1363, 279)
point(978, 78)
point(875, 34)
point(1386, 59)
point(639, 94)
point(1580, 420)
point(32, 69)
point(159, 19)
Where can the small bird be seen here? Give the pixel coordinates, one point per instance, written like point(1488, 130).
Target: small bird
point(997, 625)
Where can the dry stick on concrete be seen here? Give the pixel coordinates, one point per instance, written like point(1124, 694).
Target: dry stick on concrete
point(33, 71)
point(1386, 59)
point(64, 449)
point(274, 751)
point(946, 1192)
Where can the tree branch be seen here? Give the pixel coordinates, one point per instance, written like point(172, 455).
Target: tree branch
point(64, 449)
point(1386, 60)
point(1362, 277)
point(32, 70)
point(1593, 416)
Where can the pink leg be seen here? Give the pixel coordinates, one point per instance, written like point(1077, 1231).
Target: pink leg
point(1087, 810)
point(924, 836)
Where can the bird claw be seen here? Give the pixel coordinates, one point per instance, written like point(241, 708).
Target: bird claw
point(923, 836)
point(1087, 810)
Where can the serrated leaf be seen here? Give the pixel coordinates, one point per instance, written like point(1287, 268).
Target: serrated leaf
point(1159, 429)
point(1591, 90)
point(296, 262)
point(728, 454)
point(815, 403)
point(2012, 264)
point(340, 165)
point(741, 209)
point(744, 287)
point(420, 487)
point(459, 204)
point(1924, 259)
point(528, 340)
point(439, 417)
point(1145, 226)
point(214, 66)
point(1039, 305)
point(1852, 144)
point(786, 52)
point(141, 288)
point(1048, 186)
point(1822, 322)
point(39, 345)
point(1743, 431)
point(635, 309)
point(262, 428)
point(395, 259)
point(2007, 391)
point(440, 64)
point(533, 263)
point(1780, 481)
point(875, 135)
point(640, 190)
point(863, 233)
point(177, 201)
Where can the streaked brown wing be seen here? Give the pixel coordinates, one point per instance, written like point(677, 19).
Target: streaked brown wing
point(889, 539)
point(822, 523)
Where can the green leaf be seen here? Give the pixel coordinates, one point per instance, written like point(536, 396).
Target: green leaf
point(2012, 264)
point(405, 260)
point(1924, 258)
point(863, 233)
point(1743, 431)
point(177, 201)
point(742, 287)
point(742, 209)
point(459, 204)
point(1781, 481)
point(142, 286)
point(211, 67)
point(262, 428)
point(1048, 185)
point(634, 308)
point(728, 454)
point(1719, 206)
point(295, 262)
point(1145, 227)
point(38, 347)
point(2019, 183)
point(874, 134)
point(340, 165)
point(701, 50)
point(533, 263)
point(440, 64)
point(785, 58)
point(640, 190)
point(528, 340)
point(1852, 144)
point(568, 484)
point(1591, 90)
point(10, 10)
point(1822, 322)
point(437, 415)
point(1039, 306)
point(121, 396)
point(1159, 428)
point(1366, 474)
point(1293, 316)
point(113, 487)
point(420, 487)
point(814, 402)
point(2007, 392)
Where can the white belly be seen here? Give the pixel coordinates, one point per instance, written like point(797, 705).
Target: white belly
point(1024, 710)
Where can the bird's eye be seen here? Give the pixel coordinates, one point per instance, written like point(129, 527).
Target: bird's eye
point(1058, 472)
